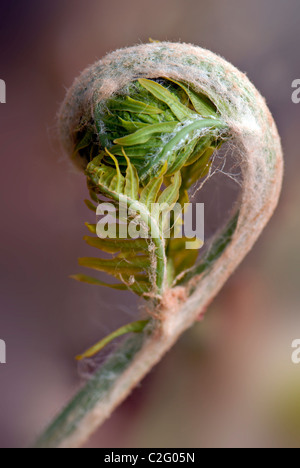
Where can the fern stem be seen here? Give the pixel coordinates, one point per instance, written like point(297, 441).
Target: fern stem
point(69, 429)
point(155, 236)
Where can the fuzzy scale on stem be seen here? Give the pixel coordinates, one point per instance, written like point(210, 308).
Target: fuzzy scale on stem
point(255, 137)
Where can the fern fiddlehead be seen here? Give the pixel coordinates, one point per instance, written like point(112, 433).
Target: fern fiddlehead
point(143, 123)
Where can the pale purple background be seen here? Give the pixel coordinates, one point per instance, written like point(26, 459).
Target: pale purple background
point(218, 387)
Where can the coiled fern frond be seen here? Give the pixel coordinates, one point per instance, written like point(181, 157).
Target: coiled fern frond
point(144, 123)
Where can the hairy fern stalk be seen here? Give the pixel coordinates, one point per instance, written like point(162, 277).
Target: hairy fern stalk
point(144, 123)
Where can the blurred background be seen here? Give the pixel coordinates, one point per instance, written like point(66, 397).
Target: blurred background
point(229, 381)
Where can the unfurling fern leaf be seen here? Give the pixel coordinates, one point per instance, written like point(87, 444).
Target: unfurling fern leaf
point(161, 110)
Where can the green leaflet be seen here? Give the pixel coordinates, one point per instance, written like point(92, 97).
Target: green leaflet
point(202, 104)
point(193, 172)
point(114, 246)
point(183, 196)
point(145, 118)
point(106, 179)
point(91, 280)
point(117, 266)
point(200, 168)
point(131, 180)
point(137, 151)
point(98, 174)
point(202, 145)
point(90, 205)
point(206, 163)
point(143, 135)
point(134, 327)
point(180, 259)
point(179, 110)
point(170, 194)
point(91, 227)
point(132, 126)
point(84, 142)
point(118, 181)
point(150, 192)
point(138, 288)
point(182, 157)
point(131, 105)
point(167, 199)
point(92, 193)
point(106, 175)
